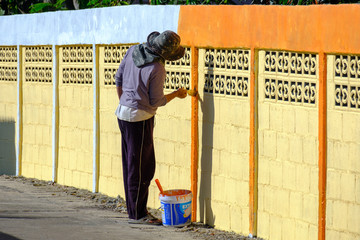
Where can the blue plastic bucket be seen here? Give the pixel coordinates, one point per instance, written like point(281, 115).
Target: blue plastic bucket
point(176, 207)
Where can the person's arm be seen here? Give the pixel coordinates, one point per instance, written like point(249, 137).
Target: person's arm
point(119, 91)
point(180, 93)
point(156, 88)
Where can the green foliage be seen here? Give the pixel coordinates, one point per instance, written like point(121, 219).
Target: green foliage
point(295, 2)
point(105, 3)
point(60, 5)
point(10, 7)
point(188, 2)
point(40, 7)
point(48, 6)
point(288, 2)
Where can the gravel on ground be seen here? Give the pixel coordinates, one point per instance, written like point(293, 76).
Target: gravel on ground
point(198, 230)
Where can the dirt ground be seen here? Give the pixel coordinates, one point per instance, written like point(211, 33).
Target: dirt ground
point(197, 230)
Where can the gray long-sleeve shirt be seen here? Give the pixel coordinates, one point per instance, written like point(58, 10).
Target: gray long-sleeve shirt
point(142, 87)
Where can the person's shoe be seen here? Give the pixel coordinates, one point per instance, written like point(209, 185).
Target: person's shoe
point(148, 219)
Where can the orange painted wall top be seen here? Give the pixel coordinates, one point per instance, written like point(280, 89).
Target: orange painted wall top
point(315, 28)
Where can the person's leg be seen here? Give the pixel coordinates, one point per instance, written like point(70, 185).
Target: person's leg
point(138, 164)
point(124, 156)
point(147, 168)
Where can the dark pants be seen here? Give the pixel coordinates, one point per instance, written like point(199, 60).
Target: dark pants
point(138, 159)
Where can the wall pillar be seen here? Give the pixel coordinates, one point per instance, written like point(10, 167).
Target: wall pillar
point(194, 130)
point(19, 114)
point(253, 156)
point(55, 114)
point(322, 144)
point(96, 131)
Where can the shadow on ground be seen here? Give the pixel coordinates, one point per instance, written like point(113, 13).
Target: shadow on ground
point(4, 236)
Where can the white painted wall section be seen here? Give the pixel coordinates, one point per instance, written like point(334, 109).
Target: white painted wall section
point(121, 24)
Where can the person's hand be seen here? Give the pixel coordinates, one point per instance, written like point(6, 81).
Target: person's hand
point(181, 93)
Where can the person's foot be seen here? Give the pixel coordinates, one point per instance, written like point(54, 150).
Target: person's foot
point(148, 219)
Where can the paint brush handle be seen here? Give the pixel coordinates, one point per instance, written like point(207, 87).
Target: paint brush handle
point(159, 186)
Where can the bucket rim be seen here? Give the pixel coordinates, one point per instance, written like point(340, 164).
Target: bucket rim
point(186, 192)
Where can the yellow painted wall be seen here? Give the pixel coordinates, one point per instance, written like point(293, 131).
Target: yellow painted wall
point(287, 134)
point(343, 149)
point(8, 100)
point(8, 75)
point(75, 161)
point(288, 146)
point(172, 133)
point(223, 199)
point(37, 112)
point(172, 148)
point(8, 109)
point(110, 163)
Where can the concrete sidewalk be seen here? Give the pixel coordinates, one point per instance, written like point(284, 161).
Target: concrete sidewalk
point(36, 212)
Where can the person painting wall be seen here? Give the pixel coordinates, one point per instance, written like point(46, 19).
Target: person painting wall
point(139, 84)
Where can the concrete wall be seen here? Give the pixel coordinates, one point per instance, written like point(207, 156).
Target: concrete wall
point(37, 112)
point(110, 176)
point(8, 109)
point(75, 166)
point(110, 25)
point(288, 128)
point(224, 138)
point(278, 148)
point(343, 179)
point(172, 138)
